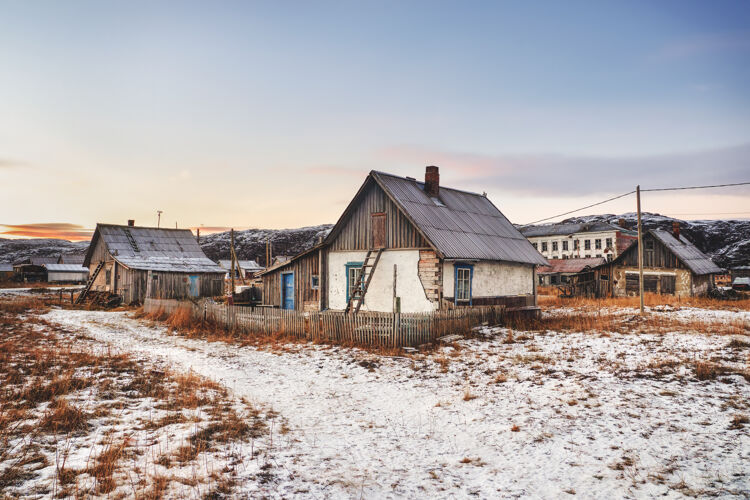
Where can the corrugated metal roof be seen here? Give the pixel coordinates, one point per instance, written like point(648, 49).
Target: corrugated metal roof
point(72, 258)
point(72, 268)
point(245, 265)
point(694, 259)
point(6, 268)
point(570, 265)
point(155, 249)
point(467, 226)
point(571, 228)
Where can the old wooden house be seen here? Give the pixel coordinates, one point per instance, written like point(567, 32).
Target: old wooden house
point(560, 271)
point(6, 271)
point(411, 246)
point(32, 269)
point(671, 265)
point(140, 262)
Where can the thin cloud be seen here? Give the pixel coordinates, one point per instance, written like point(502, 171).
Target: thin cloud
point(704, 45)
point(569, 175)
point(332, 170)
point(65, 231)
point(8, 163)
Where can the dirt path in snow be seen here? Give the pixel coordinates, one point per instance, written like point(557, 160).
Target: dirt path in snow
point(409, 429)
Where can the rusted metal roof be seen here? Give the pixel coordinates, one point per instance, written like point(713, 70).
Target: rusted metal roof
point(460, 224)
point(246, 265)
point(694, 259)
point(153, 249)
point(571, 266)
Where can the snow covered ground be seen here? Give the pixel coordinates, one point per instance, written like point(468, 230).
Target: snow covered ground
point(544, 416)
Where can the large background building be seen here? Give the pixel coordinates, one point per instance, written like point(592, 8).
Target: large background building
point(580, 240)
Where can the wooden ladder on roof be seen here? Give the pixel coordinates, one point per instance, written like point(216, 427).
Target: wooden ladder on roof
point(89, 283)
point(363, 280)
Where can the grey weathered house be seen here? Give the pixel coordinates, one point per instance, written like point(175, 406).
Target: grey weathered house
point(145, 262)
point(672, 265)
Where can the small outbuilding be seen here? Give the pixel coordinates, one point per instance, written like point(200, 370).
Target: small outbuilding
point(560, 271)
point(147, 262)
point(6, 272)
point(66, 273)
point(249, 268)
point(672, 265)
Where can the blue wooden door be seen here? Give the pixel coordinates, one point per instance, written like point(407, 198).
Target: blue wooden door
point(195, 289)
point(287, 291)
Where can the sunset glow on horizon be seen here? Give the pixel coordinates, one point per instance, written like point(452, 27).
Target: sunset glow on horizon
point(267, 115)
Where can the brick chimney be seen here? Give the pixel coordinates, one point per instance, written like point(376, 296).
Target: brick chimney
point(621, 223)
point(131, 222)
point(432, 181)
point(676, 229)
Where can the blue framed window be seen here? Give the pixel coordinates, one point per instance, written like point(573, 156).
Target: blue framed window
point(463, 276)
point(353, 270)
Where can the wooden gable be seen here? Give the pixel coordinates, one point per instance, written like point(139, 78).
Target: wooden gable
point(354, 231)
point(655, 255)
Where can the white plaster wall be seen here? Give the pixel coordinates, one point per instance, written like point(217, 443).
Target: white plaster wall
point(379, 295)
point(493, 279)
point(571, 252)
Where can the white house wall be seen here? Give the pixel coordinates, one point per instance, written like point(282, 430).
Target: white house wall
point(379, 295)
point(493, 279)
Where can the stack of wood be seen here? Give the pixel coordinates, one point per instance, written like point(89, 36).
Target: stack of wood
point(103, 299)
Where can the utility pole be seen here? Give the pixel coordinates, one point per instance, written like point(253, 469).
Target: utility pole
point(640, 247)
point(158, 220)
point(231, 268)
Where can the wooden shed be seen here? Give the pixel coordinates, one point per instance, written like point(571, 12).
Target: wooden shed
point(140, 262)
point(672, 265)
point(295, 283)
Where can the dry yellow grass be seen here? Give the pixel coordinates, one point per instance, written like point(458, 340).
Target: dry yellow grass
point(650, 300)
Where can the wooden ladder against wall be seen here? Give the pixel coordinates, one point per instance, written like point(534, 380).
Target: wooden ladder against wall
point(89, 283)
point(363, 281)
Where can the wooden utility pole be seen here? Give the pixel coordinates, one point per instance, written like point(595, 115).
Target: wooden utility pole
point(231, 267)
point(640, 247)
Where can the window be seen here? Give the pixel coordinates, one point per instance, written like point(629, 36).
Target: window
point(609, 257)
point(565, 245)
point(353, 270)
point(463, 283)
point(544, 246)
point(315, 282)
point(535, 246)
point(576, 244)
point(587, 244)
point(598, 243)
point(609, 242)
point(554, 246)
point(648, 244)
point(108, 277)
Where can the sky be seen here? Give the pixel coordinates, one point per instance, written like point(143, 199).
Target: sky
point(270, 114)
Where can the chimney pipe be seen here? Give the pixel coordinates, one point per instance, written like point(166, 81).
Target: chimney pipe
point(131, 222)
point(676, 229)
point(432, 181)
point(198, 237)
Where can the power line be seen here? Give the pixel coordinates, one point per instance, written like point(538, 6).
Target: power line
point(697, 187)
point(579, 209)
point(642, 190)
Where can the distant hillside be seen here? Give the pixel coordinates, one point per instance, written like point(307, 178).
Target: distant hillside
point(251, 243)
point(727, 242)
point(15, 250)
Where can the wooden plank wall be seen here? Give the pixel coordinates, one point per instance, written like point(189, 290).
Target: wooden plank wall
point(304, 268)
point(356, 233)
point(660, 256)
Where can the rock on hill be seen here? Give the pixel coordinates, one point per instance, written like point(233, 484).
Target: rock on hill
point(727, 242)
point(251, 243)
point(15, 250)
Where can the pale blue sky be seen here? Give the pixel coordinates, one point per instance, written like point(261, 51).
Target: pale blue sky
point(269, 114)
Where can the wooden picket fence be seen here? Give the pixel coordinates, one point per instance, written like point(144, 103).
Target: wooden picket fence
point(363, 328)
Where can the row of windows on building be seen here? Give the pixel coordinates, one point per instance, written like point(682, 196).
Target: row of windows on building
point(576, 245)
